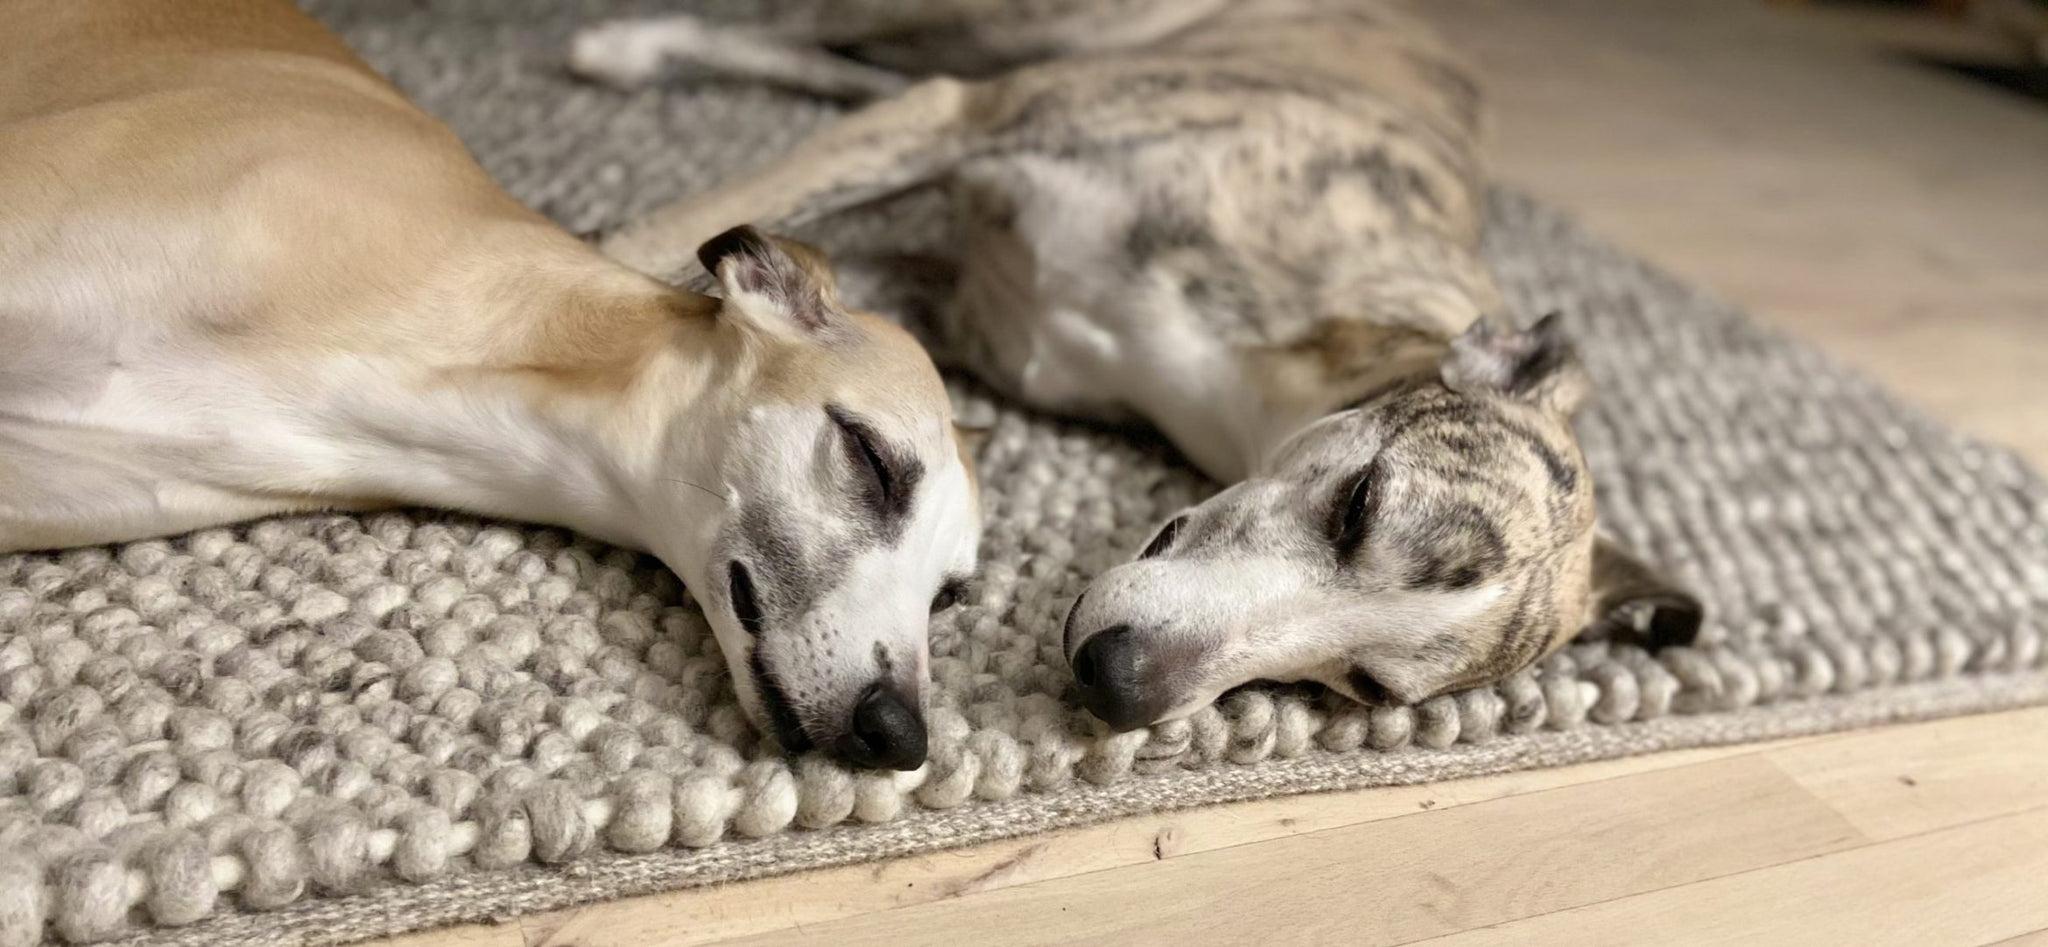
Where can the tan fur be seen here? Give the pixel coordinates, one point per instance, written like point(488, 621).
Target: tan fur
point(215, 122)
point(241, 275)
point(971, 440)
point(153, 112)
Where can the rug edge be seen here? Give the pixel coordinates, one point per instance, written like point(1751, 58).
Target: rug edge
point(468, 899)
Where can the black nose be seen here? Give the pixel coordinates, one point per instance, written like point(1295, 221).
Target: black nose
point(886, 732)
point(1107, 670)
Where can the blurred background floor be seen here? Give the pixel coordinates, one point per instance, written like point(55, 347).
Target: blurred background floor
point(1792, 158)
point(1786, 157)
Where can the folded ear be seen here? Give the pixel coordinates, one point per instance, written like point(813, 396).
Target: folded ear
point(1632, 601)
point(773, 284)
point(972, 439)
point(1537, 364)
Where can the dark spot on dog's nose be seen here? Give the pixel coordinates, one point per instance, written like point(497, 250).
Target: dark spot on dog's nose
point(1107, 670)
point(886, 732)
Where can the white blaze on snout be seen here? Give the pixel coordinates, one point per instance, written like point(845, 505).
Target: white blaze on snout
point(865, 621)
point(1207, 625)
point(1194, 619)
point(871, 628)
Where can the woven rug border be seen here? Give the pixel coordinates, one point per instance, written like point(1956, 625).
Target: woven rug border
point(476, 897)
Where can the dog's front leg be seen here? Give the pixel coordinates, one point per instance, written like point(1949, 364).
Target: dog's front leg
point(883, 149)
point(633, 53)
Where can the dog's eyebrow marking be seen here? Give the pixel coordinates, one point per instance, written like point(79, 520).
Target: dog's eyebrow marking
point(900, 474)
point(1462, 547)
point(1561, 474)
point(1469, 420)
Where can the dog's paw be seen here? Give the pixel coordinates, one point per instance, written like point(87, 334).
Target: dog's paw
point(629, 53)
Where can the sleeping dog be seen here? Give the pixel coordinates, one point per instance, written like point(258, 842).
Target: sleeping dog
point(1253, 224)
point(211, 313)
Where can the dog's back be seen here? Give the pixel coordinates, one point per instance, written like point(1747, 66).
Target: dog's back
point(206, 203)
point(185, 140)
point(1285, 162)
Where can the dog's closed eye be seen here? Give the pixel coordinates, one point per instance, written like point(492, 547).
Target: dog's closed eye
point(1164, 540)
point(876, 478)
point(1352, 514)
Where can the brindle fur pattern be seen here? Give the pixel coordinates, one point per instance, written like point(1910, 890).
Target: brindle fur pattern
point(1253, 224)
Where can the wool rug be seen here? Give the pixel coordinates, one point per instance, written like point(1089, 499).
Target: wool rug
point(320, 729)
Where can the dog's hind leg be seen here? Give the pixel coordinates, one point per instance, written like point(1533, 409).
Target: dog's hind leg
point(631, 53)
point(883, 149)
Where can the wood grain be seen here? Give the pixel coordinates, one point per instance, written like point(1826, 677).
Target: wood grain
point(1982, 767)
point(1389, 882)
point(1970, 884)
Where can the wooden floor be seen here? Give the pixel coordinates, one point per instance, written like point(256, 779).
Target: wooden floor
point(1896, 218)
point(1928, 834)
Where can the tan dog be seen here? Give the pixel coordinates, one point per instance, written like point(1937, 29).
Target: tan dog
point(241, 275)
point(1253, 224)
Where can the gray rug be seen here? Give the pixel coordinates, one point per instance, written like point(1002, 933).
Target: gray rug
point(320, 729)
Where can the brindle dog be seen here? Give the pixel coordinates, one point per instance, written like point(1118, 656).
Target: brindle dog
point(1254, 224)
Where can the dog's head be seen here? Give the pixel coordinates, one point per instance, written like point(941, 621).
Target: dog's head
point(829, 509)
point(1438, 535)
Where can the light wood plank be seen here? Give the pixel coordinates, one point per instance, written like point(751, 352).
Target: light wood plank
point(467, 935)
point(1391, 882)
point(1969, 884)
point(1930, 776)
point(2030, 939)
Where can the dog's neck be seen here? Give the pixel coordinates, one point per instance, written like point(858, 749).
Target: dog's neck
point(549, 396)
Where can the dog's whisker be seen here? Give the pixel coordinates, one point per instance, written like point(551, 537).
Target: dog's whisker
point(720, 496)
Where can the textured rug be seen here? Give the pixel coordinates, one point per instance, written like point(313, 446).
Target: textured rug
point(320, 729)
